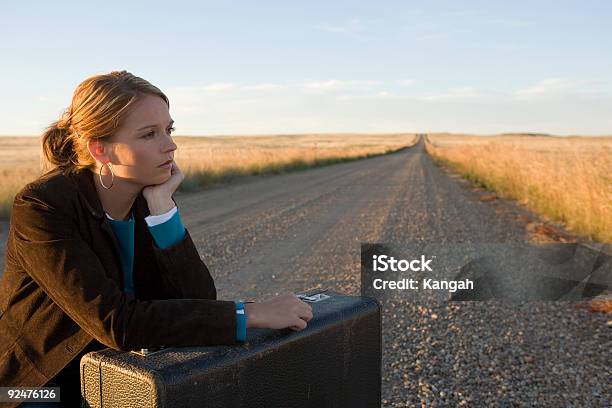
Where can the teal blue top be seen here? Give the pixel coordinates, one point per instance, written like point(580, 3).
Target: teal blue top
point(165, 235)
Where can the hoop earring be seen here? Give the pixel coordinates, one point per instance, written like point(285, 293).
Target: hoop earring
point(110, 167)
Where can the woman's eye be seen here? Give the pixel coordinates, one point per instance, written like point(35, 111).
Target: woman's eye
point(151, 134)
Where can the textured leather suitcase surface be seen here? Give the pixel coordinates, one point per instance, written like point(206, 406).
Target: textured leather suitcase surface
point(334, 362)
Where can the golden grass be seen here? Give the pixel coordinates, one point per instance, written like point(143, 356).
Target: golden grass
point(566, 179)
point(213, 160)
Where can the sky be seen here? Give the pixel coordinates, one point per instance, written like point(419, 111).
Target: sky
point(279, 67)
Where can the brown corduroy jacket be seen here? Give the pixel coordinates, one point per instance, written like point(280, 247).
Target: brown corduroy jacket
point(62, 285)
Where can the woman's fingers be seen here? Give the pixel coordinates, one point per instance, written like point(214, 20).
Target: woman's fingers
point(305, 313)
point(299, 325)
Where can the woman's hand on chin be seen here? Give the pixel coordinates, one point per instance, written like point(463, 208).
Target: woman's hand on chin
point(159, 196)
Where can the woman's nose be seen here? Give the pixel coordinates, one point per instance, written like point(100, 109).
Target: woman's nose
point(170, 146)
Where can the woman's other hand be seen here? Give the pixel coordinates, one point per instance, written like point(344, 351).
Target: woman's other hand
point(280, 312)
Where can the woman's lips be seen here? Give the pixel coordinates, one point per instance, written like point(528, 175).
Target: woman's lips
point(167, 164)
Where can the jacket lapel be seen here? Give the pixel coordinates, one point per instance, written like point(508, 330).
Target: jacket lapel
point(86, 187)
point(144, 261)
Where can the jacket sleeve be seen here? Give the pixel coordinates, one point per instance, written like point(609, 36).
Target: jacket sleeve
point(50, 249)
point(183, 272)
point(167, 229)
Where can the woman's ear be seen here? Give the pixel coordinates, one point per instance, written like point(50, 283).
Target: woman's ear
point(97, 149)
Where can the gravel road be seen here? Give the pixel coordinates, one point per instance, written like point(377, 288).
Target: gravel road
point(299, 231)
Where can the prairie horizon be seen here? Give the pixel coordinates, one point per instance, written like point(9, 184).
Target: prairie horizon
point(208, 160)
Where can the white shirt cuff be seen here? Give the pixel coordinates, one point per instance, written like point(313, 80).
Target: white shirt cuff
point(161, 218)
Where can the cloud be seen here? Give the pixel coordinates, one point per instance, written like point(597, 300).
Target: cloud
point(552, 86)
point(371, 105)
point(376, 95)
point(233, 97)
point(338, 85)
point(462, 94)
point(454, 94)
point(308, 86)
point(219, 86)
point(475, 17)
point(261, 87)
point(356, 29)
point(322, 85)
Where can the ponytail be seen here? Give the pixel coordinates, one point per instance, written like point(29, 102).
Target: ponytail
point(57, 145)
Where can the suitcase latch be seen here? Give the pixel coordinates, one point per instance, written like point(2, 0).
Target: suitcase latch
point(148, 351)
point(314, 298)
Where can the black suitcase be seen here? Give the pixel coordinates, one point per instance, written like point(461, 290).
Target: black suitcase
point(334, 362)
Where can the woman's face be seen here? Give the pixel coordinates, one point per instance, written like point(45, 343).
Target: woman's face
point(142, 143)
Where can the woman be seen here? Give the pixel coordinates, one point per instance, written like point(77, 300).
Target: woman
point(97, 255)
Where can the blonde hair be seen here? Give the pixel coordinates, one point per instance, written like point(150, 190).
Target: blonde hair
point(98, 106)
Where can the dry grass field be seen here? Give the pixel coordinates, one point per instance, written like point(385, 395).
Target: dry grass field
point(566, 179)
point(213, 160)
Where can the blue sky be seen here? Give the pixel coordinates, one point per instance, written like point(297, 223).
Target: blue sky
point(299, 67)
